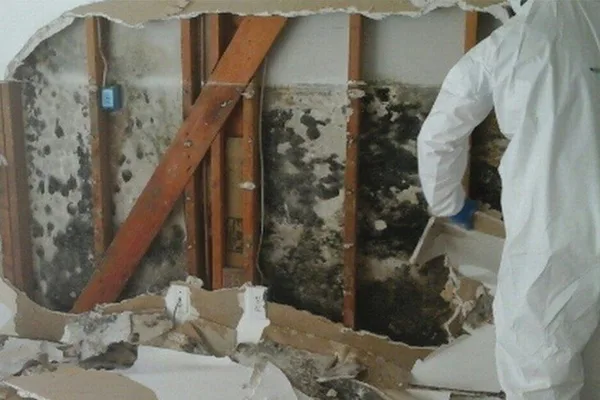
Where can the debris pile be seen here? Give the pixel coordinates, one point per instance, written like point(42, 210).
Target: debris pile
point(226, 344)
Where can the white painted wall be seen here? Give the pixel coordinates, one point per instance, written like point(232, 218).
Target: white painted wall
point(421, 51)
point(418, 51)
point(311, 50)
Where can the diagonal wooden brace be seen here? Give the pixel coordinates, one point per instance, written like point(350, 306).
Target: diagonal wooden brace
point(217, 100)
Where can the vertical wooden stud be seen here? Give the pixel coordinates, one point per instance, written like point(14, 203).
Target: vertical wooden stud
point(250, 180)
point(215, 48)
point(15, 213)
point(192, 62)
point(471, 26)
point(351, 174)
point(96, 32)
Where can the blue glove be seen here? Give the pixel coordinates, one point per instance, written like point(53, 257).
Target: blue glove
point(465, 217)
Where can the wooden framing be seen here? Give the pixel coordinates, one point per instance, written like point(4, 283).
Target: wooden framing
point(15, 214)
point(471, 27)
point(351, 174)
point(216, 102)
point(216, 46)
point(96, 31)
point(251, 180)
point(192, 62)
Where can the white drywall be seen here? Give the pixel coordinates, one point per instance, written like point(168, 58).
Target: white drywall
point(418, 51)
point(311, 50)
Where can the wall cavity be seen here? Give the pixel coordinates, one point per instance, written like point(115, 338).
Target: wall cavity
point(304, 146)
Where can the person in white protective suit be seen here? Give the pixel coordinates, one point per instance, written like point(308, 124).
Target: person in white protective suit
point(541, 74)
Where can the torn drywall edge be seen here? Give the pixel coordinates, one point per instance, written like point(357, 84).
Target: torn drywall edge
point(22, 317)
point(134, 13)
point(128, 11)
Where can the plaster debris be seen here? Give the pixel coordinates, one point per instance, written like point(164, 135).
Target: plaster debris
point(254, 319)
point(17, 353)
point(93, 332)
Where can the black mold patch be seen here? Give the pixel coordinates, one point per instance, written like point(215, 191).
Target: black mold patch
point(71, 267)
point(58, 129)
point(37, 230)
point(309, 275)
point(408, 307)
point(388, 170)
point(161, 265)
point(312, 125)
point(488, 146)
point(392, 216)
point(126, 175)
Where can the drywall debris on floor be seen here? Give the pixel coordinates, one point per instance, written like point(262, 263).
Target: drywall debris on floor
point(262, 350)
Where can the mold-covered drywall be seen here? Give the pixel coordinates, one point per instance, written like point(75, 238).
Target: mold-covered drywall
point(58, 155)
point(146, 63)
point(304, 145)
point(58, 151)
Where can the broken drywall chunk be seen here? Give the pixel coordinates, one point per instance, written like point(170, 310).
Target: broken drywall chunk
point(178, 301)
point(146, 327)
point(471, 301)
point(93, 332)
point(174, 375)
point(70, 383)
point(475, 355)
point(20, 316)
point(254, 319)
point(16, 353)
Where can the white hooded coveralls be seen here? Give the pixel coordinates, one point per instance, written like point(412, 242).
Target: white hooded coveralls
point(541, 74)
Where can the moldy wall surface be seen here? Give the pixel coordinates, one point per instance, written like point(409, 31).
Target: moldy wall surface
point(304, 134)
point(58, 151)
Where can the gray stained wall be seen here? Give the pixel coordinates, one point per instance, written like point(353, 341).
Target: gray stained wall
point(304, 128)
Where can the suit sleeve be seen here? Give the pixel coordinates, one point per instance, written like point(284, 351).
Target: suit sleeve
point(464, 101)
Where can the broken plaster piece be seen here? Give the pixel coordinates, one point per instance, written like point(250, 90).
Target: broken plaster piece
point(17, 352)
point(93, 332)
point(254, 319)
